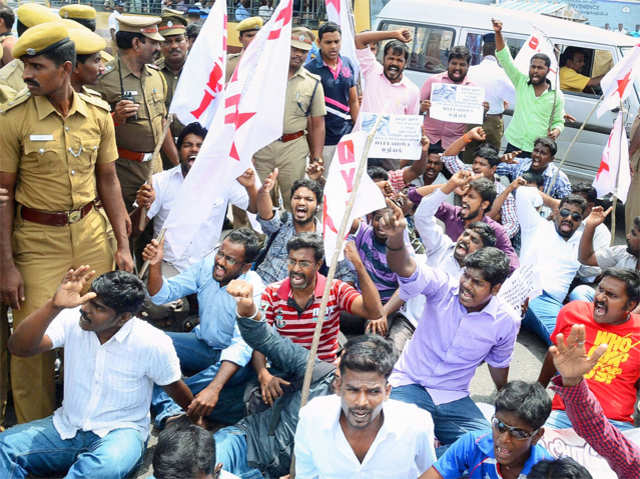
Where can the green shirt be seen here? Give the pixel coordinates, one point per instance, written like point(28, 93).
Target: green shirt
point(531, 116)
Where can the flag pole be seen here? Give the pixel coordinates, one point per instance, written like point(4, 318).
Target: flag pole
point(145, 266)
point(573, 141)
point(615, 191)
point(330, 275)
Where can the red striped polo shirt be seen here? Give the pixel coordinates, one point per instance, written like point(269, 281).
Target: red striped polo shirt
point(278, 306)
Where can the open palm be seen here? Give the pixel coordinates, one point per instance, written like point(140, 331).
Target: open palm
point(570, 357)
point(68, 294)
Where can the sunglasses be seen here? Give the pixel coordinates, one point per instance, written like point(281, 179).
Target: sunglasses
point(574, 216)
point(516, 432)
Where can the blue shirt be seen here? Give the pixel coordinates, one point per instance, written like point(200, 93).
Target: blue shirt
point(336, 85)
point(473, 452)
point(217, 308)
point(561, 188)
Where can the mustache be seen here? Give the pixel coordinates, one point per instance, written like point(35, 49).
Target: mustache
point(32, 83)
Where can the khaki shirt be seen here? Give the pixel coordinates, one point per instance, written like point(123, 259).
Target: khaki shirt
point(6, 94)
point(232, 62)
point(301, 101)
point(55, 157)
point(172, 82)
point(149, 91)
point(11, 75)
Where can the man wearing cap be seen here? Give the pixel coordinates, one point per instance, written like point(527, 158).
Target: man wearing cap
point(247, 30)
point(29, 14)
point(58, 151)
point(7, 40)
point(85, 15)
point(303, 105)
point(498, 89)
point(89, 66)
point(174, 54)
point(136, 91)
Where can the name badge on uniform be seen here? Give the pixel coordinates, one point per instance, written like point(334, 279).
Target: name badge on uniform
point(130, 93)
point(41, 137)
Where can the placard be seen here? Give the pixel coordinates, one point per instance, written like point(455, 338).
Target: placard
point(398, 136)
point(457, 103)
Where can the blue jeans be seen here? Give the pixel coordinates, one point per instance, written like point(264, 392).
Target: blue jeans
point(583, 292)
point(541, 316)
point(231, 451)
point(451, 420)
point(558, 419)
point(36, 448)
point(196, 356)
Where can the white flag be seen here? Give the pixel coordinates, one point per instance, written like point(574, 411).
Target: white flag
point(199, 90)
point(537, 43)
point(614, 166)
point(250, 118)
point(618, 82)
point(338, 189)
point(339, 11)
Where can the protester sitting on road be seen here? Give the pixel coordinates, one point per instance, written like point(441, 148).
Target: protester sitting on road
point(213, 354)
point(561, 468)
point(292, 305)
point(583, 409)
point(186, 451)
point(112, 360)
point(511, 448)
point(461, 326)
point(608, 319)
point(306, 201)
point(395, 437)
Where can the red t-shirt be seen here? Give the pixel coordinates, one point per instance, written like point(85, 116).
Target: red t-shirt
point(279, 310)
point(613, 379)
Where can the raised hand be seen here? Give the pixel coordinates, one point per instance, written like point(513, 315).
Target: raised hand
point(68, 293)
point(477, 134)
point(269, 182)
point(424, 141)
point(153, 251)
point(570, 358)
point(242, 292)
point(393, 222)
point(510, 158)
point(351, 252)
point(315, 169)
point(497, 25)
point(248, 178)
point(403, 34)
point(518, 182)
point(597, 216)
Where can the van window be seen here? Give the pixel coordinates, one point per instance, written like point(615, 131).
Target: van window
point(474, 44)
point(582, 68)
point(429, 49)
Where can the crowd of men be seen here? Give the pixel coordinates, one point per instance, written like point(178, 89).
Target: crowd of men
point(414, 308)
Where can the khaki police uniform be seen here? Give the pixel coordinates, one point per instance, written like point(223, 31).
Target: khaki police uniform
point(137, 137)
point(56, 226)
point(247, 25)
point(304, 97)
point(632, 208)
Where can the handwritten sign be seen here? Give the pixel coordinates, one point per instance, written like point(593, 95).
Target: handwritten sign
point(398, 136)
point(457, 103)
point(522, 284)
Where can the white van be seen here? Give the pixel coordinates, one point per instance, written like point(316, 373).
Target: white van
point(438, 25)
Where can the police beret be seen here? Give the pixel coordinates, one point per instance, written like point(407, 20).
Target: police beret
point(40, 39)
point(147, 25)
point(84, 12)
point(172, 25)
point(248, 24)
point(86, 41)
point(31, 14)
point(302, 38)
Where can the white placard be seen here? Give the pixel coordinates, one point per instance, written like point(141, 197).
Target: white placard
point(398, 136)
point(522, 284)
point(457, 103)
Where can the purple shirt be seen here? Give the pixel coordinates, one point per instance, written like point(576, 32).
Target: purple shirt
point(449, 342)
point(454, 225)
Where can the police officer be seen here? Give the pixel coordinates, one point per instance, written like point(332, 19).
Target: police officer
point(247, 30)
point(174, 54)
point(136, 90)
point(29, 14)
point(89, 64)
point(304, 103)
point(85, 15)
point(58, 151)
point(7, 40)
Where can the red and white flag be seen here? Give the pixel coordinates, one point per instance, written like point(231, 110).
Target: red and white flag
point(339, 11)
point(618, 82)
point(338, 189)
point(250, 118)
point(613, 175)
point(537, 43)
point(199, 90)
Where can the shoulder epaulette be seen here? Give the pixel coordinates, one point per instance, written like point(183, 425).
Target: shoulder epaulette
point(94, 100)
point(22, 96)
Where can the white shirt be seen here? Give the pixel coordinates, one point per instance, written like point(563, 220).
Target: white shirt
point(402, 449)
point(601, 239)
point(497, 86)
point(113, 21)
point(167, 187)
point(553, 257)
point(108, 386)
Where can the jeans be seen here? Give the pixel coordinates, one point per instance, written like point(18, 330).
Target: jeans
point(558, 419)
point(451, 420)
point(36, 448)
point(541, 315)
point(582, 292)
point(203, 362)
point(231, 451)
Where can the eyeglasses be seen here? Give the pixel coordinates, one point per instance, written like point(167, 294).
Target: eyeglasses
point(303, 264)
point(574, 216)
point(516, 432)
point(228, 259)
